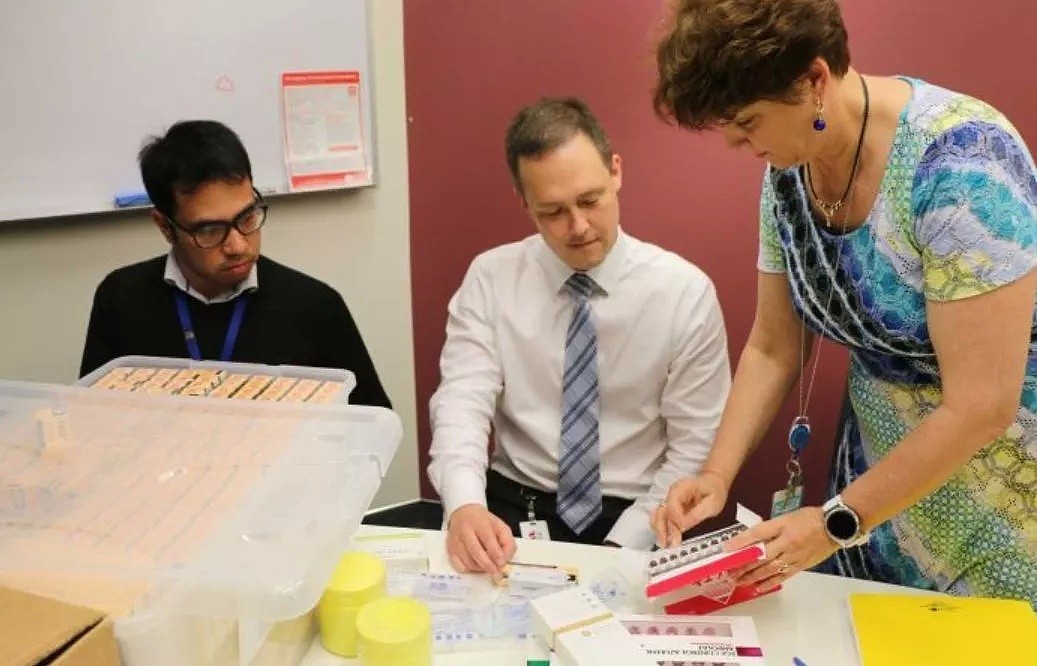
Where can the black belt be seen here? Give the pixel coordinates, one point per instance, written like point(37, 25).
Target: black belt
point(513, 493)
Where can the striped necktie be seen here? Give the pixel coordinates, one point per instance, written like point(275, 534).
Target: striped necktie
point(579, 471)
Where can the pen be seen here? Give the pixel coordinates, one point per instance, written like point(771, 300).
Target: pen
point(531, 564)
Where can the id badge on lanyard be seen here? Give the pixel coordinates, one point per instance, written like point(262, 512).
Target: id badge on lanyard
point(531, 528)
point(790, 497)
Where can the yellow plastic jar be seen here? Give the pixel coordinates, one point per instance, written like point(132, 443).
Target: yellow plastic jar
point(358, 579)
point(395, 631)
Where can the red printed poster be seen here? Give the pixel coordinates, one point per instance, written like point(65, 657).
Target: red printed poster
point(324, 130)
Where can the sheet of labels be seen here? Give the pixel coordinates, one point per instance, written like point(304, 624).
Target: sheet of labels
point(219, 384)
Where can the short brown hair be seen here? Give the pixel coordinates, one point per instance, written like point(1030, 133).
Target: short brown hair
point(719, 56)
point(540, 128)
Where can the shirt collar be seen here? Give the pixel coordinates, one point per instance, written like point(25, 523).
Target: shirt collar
point(605, 275)
point(175, 278)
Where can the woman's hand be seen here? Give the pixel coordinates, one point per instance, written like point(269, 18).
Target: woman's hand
point(689, 501)
point(795, 542)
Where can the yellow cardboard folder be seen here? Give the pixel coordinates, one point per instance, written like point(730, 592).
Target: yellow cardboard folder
point(894, 630)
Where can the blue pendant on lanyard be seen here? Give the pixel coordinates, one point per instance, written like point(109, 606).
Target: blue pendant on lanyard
point(790, 497)
point(799, 435)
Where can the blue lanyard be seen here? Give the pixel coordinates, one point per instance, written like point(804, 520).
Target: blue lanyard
point(232, 330)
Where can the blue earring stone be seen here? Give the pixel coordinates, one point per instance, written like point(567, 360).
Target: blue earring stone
point(820, 125)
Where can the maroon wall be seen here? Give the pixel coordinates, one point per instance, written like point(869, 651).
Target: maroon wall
point(470, 64)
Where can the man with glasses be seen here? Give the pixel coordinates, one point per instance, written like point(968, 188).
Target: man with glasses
point(213, 296)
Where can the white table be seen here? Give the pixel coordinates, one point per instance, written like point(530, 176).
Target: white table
point(808, 619)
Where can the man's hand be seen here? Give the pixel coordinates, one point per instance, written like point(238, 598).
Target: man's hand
point(478, 541)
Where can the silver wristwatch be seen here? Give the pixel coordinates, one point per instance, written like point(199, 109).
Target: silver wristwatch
point(843, 524)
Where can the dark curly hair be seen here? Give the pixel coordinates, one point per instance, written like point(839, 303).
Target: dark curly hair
point(718, 56)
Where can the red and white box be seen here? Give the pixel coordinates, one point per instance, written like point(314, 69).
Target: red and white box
point(687, 641)
point(692, 578)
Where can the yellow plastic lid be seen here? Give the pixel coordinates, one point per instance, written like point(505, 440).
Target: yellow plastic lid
point(398, 628)
point(358, 578)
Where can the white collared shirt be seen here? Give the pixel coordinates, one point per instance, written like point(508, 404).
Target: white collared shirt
point(663, 371)
point(175, 277)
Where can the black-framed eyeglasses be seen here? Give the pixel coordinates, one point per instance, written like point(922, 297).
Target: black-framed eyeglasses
point(210, 234)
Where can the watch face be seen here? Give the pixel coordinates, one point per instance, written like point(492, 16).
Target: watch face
point(842, 524)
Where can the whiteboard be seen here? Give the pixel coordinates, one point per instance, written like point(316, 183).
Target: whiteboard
point(84, 82)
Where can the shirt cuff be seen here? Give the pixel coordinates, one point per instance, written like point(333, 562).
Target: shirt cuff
point(464, 487)
point(633, 529)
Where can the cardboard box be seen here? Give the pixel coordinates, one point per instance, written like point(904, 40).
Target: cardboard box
point(35, 630)
point(692, 578)
point(560, 612)
point(716, 640)
point(605, 642)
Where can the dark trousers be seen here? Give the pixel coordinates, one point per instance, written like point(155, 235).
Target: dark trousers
point(510, 501)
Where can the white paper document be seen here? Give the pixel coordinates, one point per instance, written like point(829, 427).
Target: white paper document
point(324, 130)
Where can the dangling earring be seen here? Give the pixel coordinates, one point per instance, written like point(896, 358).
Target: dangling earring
point(819, 121)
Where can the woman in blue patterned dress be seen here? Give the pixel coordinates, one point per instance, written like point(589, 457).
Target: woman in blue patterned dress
point(899, 219)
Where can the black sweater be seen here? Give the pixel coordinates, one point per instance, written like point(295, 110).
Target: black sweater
point(292, 319)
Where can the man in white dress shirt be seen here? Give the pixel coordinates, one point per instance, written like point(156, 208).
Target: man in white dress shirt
point(600, 361)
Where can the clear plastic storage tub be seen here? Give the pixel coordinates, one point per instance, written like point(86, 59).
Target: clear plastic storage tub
point(206, 528)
